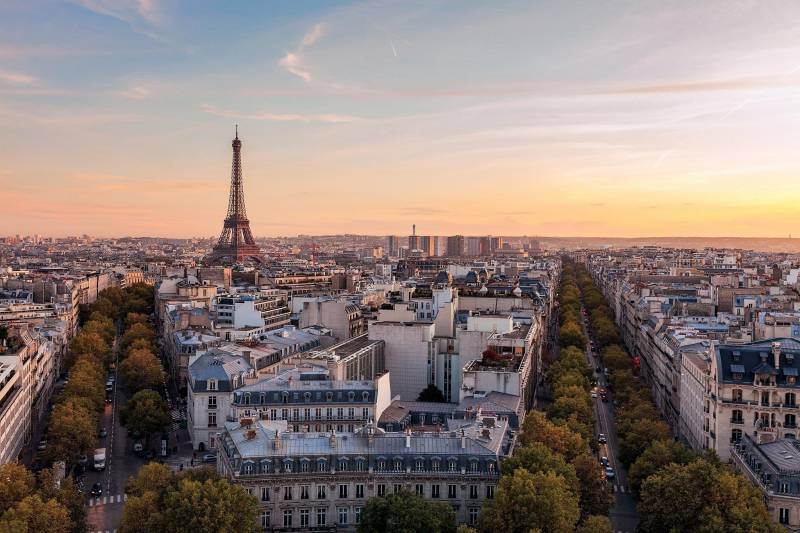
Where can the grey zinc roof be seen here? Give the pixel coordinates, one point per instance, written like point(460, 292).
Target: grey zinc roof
point(217, 365)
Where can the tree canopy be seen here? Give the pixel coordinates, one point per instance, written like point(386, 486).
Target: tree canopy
point(406, 512)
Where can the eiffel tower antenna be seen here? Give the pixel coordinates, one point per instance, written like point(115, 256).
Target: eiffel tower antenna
point(236, 241)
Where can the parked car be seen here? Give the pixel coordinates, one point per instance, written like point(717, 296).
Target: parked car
point(103, 433)
point(604, 461)
point(83, 460)
point(594, 395)
point(97, 489)
point(598, 369)
point(42, 444)
point(138, 446)
point(601, 438)
point(610, 473)
point(209, 458)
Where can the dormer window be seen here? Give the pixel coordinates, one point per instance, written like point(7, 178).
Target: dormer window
point(351, 396)
point(329, 396)
point(212, 384)
point(365, 396)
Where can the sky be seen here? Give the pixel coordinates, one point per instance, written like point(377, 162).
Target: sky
point(555, 118)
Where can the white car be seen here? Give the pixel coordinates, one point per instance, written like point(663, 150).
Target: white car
point(594, 395)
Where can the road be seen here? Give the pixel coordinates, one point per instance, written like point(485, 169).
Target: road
point(623, 514)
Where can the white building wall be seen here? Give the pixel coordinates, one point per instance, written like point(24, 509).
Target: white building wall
point(408, 349)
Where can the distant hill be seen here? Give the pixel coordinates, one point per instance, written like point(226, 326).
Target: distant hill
point(743, 243)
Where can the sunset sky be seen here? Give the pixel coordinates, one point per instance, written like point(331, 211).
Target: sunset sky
point(563, 118)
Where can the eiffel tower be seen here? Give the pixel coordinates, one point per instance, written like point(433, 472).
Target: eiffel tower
point(236, 242)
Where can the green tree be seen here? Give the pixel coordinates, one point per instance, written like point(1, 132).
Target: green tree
point(152, 477)
point(71, 430)
point(660, 454)
point(639, 438)
point(142, 514)
point(526, 501)
point(571, 400)
point(210, 506)
point(431, 393)
point(33, 515)
point(595, 524)
point(595, 496)
point(407, 513)
point(16, 483)
point(87, 380)
point(90, 344)
point(141, 370)
point(135, 318)
point(702, 497)
point(570, 334)
point(558, 439)
point(146, 413)
point(539, 458)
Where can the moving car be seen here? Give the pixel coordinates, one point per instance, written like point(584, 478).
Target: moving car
point(103, 433)
point(601, 438)
point(604, 461)
point(42, 444)
point(100, 459)
point(137, 446)
point(209, 458)
point(97, 489)
point(610, 473)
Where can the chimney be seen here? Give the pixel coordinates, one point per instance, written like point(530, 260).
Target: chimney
point(463, 440)
point(332, 439)
point(776, 352)
point(408, 438)
point(276, 443)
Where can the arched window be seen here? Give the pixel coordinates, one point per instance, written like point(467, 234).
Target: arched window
point(307, 397)
point(322, 465)
point(398, 464)
point(351, 396)
point(360, 464)
point(490, 466)
point(365, 396)
point(288, 465)
point(247, 398)
point(343, 465)
point(473, 465)
point(329, 396)
point(452, 466)
point(419, 465)
point(435, 463)
point(381, 464)
point(285, 397)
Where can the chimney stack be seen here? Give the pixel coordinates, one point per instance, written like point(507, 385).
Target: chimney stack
point(463, 440)
point(408, 438)
point(332, 439)
point(776, 352)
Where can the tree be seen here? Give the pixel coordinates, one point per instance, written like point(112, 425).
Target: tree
point(33, 514)
point(135, 318)
point(146, 413)
point(406, 512)
point(87, 381)
point(571, 400)
point(595, 496)
point(639, 438)
point(704, 497)
point(660, 454)
point(570, 334)
point(16, 483)
point(142, 514)
point(141, 370)
point(538, 458)
point(137, 331)
point(213, 505)
point(91, 344)
point(558, 439)
point(67, 494)
point(595, 524)
point(152, 477)
point(71, 431)
point(526, 501)
point(431, 393)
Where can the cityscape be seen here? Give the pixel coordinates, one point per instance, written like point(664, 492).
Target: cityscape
point(415, 275)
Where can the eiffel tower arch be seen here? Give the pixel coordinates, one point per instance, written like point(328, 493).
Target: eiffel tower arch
point(236, 243)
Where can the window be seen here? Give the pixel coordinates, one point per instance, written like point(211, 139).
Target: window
point(397, 488)
point(736, 435)
point(212, 402)
point(358, 515)
point(783, 515)
point(473, 466)
point(304, 466)
point(248, 469)
point(303, 492)
point(265, 519)
point(736, 416)
point(287, 518)
point(284, 414)
point(343, 465)
point(398, 465)
point(287, 466)
point(473, 515)
point(212, 420)
point(452, 465)
point(381, 464)
point(322, 518)
point(435, 465)
point(419, 465)
point(342, 515)
point(359, 491)
point(340, 413)
point(435, 491)
point(322, 466)
point(304, 518)
point(451, 491)
point(320, 492)
point(790, 399)
point(737, 395)
point(359, 465)
point(273, 414)
point(490, 466)
point(329, 413)
point(287, 493)
point(306, 414)
point(264, 494)
point(212, 384)
point(489, 492)
point(351, 396)
point(295, 414)
point(473, 492)
point(343, 491)
point(351, 413)
point(381, 489)
point(419, 489)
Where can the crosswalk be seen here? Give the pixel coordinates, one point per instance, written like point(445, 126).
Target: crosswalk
point(104, 531)
point(620, 488)
point(108, 500)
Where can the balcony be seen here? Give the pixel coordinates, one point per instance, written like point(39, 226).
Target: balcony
point(737, 421)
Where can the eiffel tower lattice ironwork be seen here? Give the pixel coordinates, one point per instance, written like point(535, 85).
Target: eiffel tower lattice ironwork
point(236, 242)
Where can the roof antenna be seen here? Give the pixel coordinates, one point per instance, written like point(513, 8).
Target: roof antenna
point(237, 131)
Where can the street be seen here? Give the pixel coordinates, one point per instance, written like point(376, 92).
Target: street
point(623, 514)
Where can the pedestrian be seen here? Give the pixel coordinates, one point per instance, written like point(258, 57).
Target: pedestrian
point(192, 462)
point(181, 467)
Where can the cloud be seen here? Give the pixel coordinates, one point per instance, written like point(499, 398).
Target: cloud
point(293, 62)
point(16, 78)
point(142, 15)
point(279, 117)
point(732, 84)
point(137, 92)
point(422, 211)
